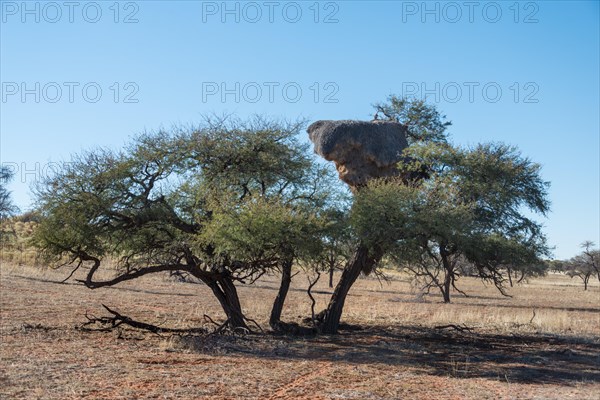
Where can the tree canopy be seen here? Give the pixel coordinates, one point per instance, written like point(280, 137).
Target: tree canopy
point(424, 122)
point(471, 207)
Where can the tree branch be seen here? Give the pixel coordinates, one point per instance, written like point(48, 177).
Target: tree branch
point(129, 275)
point(118, 319)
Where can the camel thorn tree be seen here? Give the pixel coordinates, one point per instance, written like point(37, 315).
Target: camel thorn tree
point(225, 202)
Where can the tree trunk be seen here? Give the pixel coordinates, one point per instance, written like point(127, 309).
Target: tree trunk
point(331, 271)
point(359, 261)
point(225, 291)
point(286, 279)
point(448, 275)
point(522, 277)
point(446, 289)
point(510, 277)
point(586, 278)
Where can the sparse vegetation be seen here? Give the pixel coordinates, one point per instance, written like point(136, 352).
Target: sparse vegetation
point(17, 234)
point(225, 215)
point(543, 341)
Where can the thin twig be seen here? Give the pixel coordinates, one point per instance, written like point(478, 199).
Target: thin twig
point(255, 323)
point(531, 320)
point(209, 319)
point(79, 264)
point(312, 299)
point(220, 327)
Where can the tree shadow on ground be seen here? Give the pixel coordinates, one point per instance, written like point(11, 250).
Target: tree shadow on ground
point(117, 288)
point(356, 292)
point(532, 307)
point(540, 358)
point(466, 303)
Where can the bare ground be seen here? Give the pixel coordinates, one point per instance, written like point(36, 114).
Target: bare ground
point(392, 347)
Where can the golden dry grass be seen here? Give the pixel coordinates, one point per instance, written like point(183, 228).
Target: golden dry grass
point(393, 352)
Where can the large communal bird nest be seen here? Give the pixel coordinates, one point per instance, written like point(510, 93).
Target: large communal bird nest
point(361, 150)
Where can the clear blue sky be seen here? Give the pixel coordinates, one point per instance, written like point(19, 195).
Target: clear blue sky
point(176, 58)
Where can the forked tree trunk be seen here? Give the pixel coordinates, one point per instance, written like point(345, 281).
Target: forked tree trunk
point(360, 260)
point(286, 279)
point(224, 290)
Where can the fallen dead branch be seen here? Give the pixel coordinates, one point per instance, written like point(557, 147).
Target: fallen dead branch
point(458, 328)
point(117, 319)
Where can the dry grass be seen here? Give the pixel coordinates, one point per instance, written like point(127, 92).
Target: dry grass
point(397, 353)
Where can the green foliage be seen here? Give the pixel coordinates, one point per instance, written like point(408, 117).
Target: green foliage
point(105, 203)
point(425, 124)
point(254, 157)
point(263, 230)
point(382, 214)
point(338, 238)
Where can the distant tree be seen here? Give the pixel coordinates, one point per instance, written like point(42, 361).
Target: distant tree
point(592, 256)
point(558, 266)
point(225, 203)
point(522, 272)
point(584, 265)
point(470, 208)
point(7, 208)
